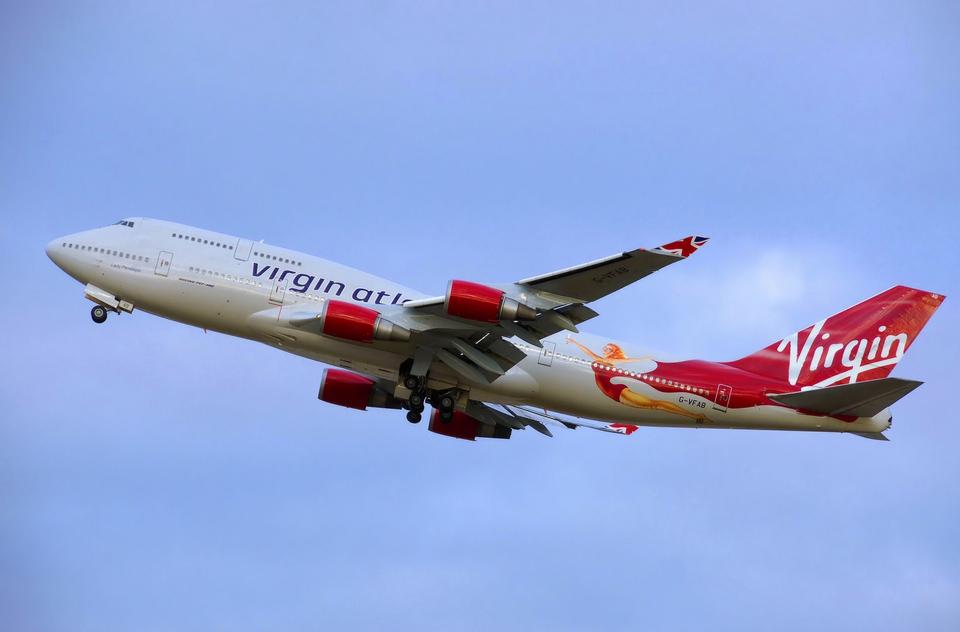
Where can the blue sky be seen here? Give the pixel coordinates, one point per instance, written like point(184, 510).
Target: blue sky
point(154, 477)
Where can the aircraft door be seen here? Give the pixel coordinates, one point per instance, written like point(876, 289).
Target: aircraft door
point(164, 261)
point(242, 251)
point(724, 393)
point(278, 292)
point(546, 353)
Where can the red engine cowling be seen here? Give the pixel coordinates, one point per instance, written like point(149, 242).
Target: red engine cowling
point(474, 301)
point(463, 426)
point(356, 322)
point(345, 388)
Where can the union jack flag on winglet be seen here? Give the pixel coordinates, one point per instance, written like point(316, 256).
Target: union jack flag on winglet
point(683, 247)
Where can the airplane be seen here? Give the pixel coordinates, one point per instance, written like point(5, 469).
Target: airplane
point(491, 359)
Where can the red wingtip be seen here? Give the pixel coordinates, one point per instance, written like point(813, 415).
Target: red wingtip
point(684, 247)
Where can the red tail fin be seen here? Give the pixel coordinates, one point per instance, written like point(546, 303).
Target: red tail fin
point(861, 343)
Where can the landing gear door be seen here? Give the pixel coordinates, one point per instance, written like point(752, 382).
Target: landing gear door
point(278, 292)
point(164, 262)
point(722, 400)
point(546, 353)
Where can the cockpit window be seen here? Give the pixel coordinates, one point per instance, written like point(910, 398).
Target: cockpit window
point(124, 222)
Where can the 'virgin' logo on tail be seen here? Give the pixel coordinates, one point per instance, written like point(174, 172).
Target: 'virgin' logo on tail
point(816, 354)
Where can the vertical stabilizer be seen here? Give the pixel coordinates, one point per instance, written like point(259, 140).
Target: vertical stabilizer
point(861, 343)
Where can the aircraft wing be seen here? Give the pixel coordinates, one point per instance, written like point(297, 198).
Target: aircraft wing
point(480, 349)
point(593, 280)
point(470, 328)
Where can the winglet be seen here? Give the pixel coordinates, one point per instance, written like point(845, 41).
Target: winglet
point(683, 247)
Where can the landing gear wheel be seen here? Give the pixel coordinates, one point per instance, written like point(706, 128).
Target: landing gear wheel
point(412, 382)
point(416, 401)
point(413, 417)
point(446, 403)
point(446, 416)
point(98, 314)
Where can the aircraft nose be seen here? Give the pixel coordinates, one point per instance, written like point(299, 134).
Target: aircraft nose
point(55, 250)
point(52, 249)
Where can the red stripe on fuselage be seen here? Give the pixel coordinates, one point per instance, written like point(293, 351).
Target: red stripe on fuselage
point(693, 377)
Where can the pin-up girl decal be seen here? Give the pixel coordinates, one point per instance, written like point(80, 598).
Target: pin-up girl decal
point(614, 355)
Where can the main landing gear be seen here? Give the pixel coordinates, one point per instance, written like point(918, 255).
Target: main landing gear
point(98, 314)
point(415, 401)
point(444, 402)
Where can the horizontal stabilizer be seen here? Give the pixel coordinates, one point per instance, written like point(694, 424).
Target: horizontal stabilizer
point(876, 436)
point(860, 399)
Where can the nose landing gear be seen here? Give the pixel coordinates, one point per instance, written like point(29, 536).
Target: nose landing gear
point(98, 314)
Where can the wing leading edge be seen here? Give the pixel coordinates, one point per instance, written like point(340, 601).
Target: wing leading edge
point(595, 279)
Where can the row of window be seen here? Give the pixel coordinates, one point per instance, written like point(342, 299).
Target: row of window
point(608, 367)
point(218, 244)
point(278, 259)
point(569, 358)
point(223, 275)
point(653, 379)
point(124, 222)
point(200, 240)
point(106, 251)
point(237, 279)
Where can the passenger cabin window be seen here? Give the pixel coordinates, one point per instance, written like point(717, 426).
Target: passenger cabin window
point(200, 240)
point(264, 255)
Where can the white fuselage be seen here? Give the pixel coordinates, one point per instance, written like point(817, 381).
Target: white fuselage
point(242, 288)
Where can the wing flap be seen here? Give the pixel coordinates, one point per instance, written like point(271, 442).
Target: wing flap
point(574, 314)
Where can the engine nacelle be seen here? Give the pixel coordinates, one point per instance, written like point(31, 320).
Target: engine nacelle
point(463, 426)
point(345, 388)
point(361, 324)
point(474, 301)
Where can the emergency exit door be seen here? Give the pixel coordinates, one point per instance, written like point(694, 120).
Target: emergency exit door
point(164, 262)
point(722, 400)
point(241, 252)
point(278, 292)
point(546, 353)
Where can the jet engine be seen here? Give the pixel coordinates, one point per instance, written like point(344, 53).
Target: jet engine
point(345, 388)
point(356, 322)
point(474, 301)
point(463, 426)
